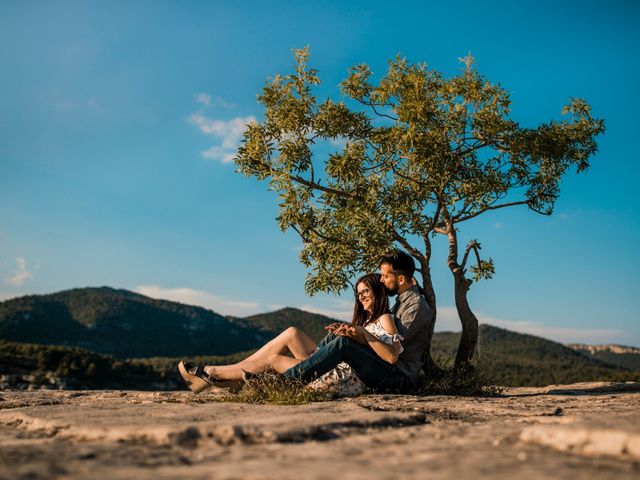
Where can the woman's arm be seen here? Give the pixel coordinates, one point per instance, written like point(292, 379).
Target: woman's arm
point(389, 353)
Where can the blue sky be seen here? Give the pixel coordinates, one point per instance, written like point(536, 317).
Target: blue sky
point(117, 118)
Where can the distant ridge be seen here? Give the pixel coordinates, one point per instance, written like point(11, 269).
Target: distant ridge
point(612, 347)
point(512, 358)
point(619, 355)
point(123, 324)
point(312, 324)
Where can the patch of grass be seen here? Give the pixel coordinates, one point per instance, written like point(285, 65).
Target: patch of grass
point(274, 389)
point(471, 381)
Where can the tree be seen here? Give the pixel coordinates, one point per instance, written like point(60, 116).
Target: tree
point(422, 154)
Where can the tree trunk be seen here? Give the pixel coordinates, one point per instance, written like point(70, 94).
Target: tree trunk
point(469, 337)
point(430, 368)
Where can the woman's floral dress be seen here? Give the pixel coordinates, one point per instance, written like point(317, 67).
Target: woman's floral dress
point(342, 381)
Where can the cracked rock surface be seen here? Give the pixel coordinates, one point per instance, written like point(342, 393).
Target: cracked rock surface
point(562, 431)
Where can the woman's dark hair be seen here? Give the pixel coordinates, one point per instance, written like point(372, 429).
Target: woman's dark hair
point(380, 300)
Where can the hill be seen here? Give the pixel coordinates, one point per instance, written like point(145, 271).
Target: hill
point(273, 323)
point(517, 359)
point(128, 325)
point(123, 324)
point(620, 355)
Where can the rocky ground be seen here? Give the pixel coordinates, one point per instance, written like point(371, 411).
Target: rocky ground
point(573, 432)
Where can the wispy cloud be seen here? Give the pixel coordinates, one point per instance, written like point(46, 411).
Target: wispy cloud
point(448, 321)
point(203, 99)
point(227, 132)
point(21, 276)
point(338, 309)
point(560, 217)
point(341, 309)
point(207, 100)
point(189, 296)
point(339, 142)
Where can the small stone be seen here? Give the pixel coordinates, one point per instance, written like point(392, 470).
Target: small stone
point(521, 457)
point(496, 442)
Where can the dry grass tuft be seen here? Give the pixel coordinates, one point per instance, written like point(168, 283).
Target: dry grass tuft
point(275, 389)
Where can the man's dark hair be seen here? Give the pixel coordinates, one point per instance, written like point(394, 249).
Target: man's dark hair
point(401, 263)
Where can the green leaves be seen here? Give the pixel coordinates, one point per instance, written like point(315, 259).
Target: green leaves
point(415, 154)
point(484, 269)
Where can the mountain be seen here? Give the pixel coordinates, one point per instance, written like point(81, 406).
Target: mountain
point(620, 355)
point(123, 324)
point(517, 359)
point(128, 325)
point(274, 322)
point(530, 360)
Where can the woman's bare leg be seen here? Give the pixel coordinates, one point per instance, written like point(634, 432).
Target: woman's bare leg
point(291, 340)
point(276, 362)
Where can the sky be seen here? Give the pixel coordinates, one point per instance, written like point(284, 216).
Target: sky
point(118, 121)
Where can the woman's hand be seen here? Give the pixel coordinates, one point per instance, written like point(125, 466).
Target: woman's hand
point(357, 333)
point(334, 326)
point(337, 328)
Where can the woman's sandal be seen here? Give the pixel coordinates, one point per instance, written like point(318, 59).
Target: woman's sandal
point(199, 380)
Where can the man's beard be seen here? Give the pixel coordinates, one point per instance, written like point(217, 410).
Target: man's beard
point(390, 291)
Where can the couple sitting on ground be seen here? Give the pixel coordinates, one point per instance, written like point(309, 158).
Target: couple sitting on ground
point(380, 350)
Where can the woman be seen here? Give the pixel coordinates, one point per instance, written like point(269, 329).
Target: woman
point(371, 324)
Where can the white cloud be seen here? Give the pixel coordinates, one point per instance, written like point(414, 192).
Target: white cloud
point(227, 132)
point(21, 275)
point(224, 306)
point(448, 321)
point(225, 155)
point(203, 98)
point(343, 310)
point(339, 142)
point(208, 101)
point(338, 309)
point(222, 103)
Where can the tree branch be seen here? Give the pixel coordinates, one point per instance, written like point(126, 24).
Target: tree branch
point(413, 251)
point(492, 207)
point(316, 186)
point(472, 246)
point(436, 215)
point(381, 114)
point(470, 149)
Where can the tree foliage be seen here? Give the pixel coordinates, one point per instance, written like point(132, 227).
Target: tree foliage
point(422, 153)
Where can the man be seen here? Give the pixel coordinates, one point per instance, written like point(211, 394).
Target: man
point(413, 317)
